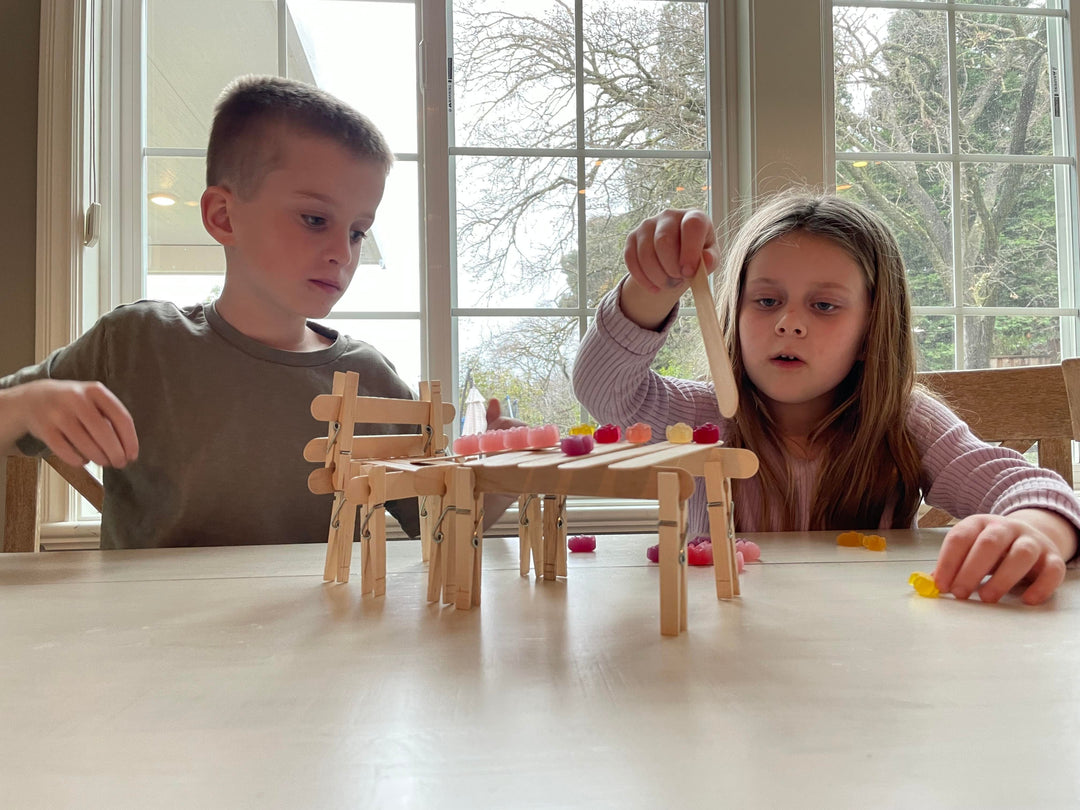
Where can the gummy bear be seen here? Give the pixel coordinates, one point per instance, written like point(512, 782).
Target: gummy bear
point(516, 438)
point(581, 430)
point(699, 553)
point(545, 436)
point(652, 553)
point(679, 433)
point(608, 434)
point(492, 440)
point(582, 542)
point(750, 550)
point(467, 445)
point(706, 434)
point(874, 542)
point(924, 585)
point(638, 433)
point(577, 445)
point(849, 539)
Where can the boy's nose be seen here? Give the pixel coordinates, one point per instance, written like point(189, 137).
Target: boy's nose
point(789, 324)
point(339, 249)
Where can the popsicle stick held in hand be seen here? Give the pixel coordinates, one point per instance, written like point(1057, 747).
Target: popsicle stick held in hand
point(727, 397)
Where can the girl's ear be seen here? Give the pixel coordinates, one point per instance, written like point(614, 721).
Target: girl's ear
point(216, 204)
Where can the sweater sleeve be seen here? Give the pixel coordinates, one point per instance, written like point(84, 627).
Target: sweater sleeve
point(612, 377)
point(965, 476)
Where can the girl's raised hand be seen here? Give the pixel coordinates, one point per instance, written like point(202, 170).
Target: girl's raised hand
point(664, 251)
point(1029, 544)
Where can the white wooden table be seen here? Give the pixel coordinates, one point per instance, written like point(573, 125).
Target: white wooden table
point(235, 678)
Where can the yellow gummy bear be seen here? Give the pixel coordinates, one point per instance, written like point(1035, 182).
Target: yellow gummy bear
point(874, 542)
point(850, 539)
point(924, 585)
point(582, 430)
point(679, 433)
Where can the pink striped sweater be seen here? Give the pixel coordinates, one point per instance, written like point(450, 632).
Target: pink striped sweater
point(960, 473)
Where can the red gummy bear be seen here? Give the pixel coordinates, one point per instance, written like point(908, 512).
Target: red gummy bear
point(706, 434)
point(607, 434)
point(652, 553)
point(582, 542)
point(699, 553)
point(576, 445)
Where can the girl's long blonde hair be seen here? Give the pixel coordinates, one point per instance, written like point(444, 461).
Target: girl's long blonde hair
point(869, 462)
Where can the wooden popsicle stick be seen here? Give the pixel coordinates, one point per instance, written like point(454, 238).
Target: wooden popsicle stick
point(727, 396)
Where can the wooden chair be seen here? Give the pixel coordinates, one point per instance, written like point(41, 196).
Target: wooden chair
point(1020, 408)
point(22, 498)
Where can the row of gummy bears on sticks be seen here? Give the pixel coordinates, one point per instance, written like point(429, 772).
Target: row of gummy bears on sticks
point(582, 439)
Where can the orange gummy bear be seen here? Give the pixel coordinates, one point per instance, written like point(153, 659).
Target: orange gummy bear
point(849, 539)
point(874, 542)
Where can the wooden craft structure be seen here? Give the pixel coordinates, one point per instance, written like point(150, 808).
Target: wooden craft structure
point(364, 471)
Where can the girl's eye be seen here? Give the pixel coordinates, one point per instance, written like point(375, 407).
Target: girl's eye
point(824, 306)
point(765, 302)
point(356, 236)
point(313, 221)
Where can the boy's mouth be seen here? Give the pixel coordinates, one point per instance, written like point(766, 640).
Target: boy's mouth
point(326, 284)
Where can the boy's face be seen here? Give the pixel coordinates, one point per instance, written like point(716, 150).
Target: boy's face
point(294, 244)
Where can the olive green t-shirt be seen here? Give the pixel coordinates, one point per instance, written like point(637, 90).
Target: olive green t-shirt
point(222, 421)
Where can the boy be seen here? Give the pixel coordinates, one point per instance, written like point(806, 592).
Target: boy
point(199, 415)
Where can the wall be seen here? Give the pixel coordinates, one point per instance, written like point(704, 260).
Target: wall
point(18, 204)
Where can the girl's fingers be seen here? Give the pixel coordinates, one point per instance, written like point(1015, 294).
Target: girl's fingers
point(641, 261)
point(698, 241)
point(954, 550)
point(983, 557)
point(1021, 557)
point(669, 245)
point(1049, 578)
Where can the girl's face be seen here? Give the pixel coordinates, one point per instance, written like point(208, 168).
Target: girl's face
point(803, 315)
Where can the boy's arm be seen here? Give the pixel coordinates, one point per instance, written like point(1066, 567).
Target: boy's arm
point(78, 421)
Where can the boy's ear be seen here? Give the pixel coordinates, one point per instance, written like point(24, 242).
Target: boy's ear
point(216, 206)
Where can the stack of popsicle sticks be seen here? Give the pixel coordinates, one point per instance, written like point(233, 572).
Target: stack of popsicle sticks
point(364, 472)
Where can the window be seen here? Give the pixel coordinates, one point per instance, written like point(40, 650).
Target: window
point(954, 121)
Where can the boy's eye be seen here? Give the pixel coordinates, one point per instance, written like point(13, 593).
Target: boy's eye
point(356, 235)
point(313, 221)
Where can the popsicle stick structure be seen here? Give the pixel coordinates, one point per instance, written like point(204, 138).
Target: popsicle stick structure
point(365, 471)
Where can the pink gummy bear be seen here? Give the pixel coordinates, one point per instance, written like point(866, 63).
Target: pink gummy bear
point(699, 553)
point(517, 438)
point(582, 542)
point(467, 445)
point(638, 433)
point(545, 436)
point(491, 440)
point(608, 434)
point(706, 434)
point(739, 560)
point(577, 445)
point(750, 550)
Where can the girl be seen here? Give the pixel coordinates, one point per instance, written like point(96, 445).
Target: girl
point(813, 304)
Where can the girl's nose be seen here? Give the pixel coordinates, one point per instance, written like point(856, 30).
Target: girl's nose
point(789, 324)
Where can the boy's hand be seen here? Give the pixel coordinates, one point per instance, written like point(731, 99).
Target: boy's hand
point(664, 251)
point(78, 421)
point(1029, 544)
point(495, 419)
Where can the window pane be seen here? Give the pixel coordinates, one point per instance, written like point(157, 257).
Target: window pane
point(398, 341)
point(388, 276)
point(195, 48)
point(990, 342)
point(621, 193)
point(364, 53)
point(177, 242)
point(892, 93)
point(514, 82)
point(527, 360)
point(516, 231)
point(1003, 82)
point(914, 198)
point(644, 73)
point(1009, 235)
point(185, 289)
point(935, 342)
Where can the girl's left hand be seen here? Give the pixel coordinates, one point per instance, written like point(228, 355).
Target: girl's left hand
point(1029, 544)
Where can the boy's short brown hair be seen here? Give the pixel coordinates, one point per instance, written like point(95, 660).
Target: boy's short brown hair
point(253, 110)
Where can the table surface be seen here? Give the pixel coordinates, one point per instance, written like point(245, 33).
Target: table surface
point(234, 678)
